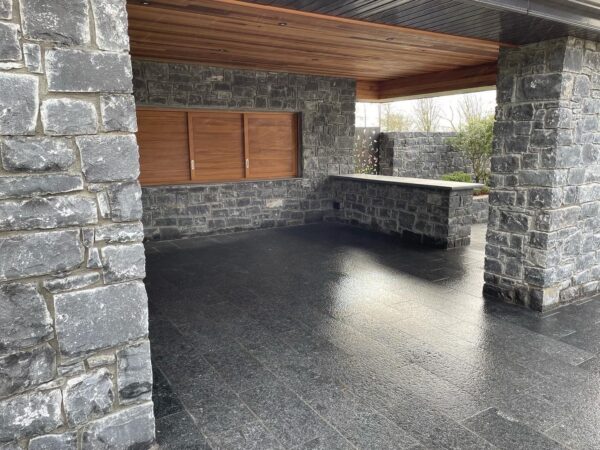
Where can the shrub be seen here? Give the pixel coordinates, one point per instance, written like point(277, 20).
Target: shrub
point(474, 140)
point(463, 177)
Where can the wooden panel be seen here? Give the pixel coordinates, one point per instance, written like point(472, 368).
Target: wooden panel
point(163, 141)
point(272, 141)
point(367, 90)
point(217, 144)
point(231, 33)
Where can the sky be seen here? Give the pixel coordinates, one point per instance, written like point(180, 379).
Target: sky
point(367, 114)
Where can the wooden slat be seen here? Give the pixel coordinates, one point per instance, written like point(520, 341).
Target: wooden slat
point(367, 90)
point(163, 142)
point(217, 141)
point(272, 145)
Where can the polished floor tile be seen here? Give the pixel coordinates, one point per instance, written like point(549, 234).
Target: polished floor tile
point(331, 337)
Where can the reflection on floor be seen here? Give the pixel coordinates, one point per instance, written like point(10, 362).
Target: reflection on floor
point(330, 337)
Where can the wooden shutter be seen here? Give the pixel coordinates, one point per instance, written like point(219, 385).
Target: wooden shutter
point(163, 141)
point(271, 145)
point(217, 146)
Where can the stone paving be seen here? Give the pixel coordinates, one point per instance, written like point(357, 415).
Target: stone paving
point(331, 337)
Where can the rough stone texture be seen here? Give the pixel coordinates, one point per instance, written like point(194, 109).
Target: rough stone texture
point(79, 71)
point(36, 154)
point(123, 262)
point(123, 308)
point(131, 428)
point(65, 441)
point(29, 186)
point(24, 317)
point(100, 360)
point(60, 21)
point(109, 158)
point(26, 369)
point(71, 282)
point(94, 261)
point(481, 209)
point(39, 254)
point(118, 113)
point(19, 103)
point(125, 202)
point(64, 117)
point(420, 155)
point(88, 397)
point(110, 17)
point(47, 212)
point(434, 217)
point(543, 230)
point(120, 233)
point(33, 58)
point(134, 374)
point(10, 50)
point(6, 9)
point(327, 107)
point(30, 414)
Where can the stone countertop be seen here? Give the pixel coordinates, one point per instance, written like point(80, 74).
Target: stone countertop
point(412, 182)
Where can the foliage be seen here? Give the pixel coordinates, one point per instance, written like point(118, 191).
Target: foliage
point(485, 190)
point(462, 177)
point(392, 120)
point(427, 115)
point(366, 151)
point(474, 141)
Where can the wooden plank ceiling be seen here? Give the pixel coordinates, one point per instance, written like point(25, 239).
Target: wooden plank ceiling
point(387, 61)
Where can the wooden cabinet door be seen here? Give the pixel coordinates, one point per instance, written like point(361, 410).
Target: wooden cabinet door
point(217, 146)
point(272, 145)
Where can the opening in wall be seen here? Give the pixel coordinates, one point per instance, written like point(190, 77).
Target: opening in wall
point(187, 146)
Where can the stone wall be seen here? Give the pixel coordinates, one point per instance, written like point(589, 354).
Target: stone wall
point(481, 209)
point(543, 239)
point(326, 106)
point(425, 215)
point(74, 356)
point(420, 155)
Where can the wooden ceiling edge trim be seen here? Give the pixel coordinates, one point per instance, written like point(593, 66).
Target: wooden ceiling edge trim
point(467, 78)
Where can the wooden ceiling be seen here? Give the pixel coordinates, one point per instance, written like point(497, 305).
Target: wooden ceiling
point(385, 59)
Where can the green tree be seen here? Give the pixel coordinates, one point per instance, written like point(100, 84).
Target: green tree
point(474, 140)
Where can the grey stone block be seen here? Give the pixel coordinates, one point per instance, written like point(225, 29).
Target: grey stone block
point(24, 317)
point(131, 428)
point(123, 262)
point(61, 21)
point(94, 261)
point(110, 18)
point(64, 441)
point(71, 282)
point(30, 414)
point(10, 50)
point(134, 374)
point(81, 71)
point(125, 202)
point(33, 57)
point(19, 187)
point(39, 254)
point(6, 9)
point(19, 103)
point(120, 233)
point(88, 397)
point(122, 307)
point(36, 154)
point(96, 361)
point(67, 117)
point(109, 158)
point(47, 212)
point(26, 369)
point(118, 113)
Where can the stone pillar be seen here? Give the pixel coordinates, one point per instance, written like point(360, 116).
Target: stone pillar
point(544, 231)
point(74, 356)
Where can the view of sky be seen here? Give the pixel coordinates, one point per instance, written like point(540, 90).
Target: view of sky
point(368, 114)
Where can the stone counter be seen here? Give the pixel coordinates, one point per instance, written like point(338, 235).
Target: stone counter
point(431, 212)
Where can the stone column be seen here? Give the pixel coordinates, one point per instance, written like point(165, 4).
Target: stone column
point(544, 231)
point(74, 356)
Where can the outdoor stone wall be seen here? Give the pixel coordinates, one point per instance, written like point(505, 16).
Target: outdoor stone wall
point(74, 356)
point(326, 106)
point(481, 209)
point(430, 216)
point(544, 230)
point(420, 155)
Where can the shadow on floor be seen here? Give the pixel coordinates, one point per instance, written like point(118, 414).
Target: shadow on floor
point(331, 337)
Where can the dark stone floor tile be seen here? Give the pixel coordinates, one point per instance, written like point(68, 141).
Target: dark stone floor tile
point(252, 436)
point(178, 432)
point(222, 417)
point(205, 390)
point(506, 432)
point(163, 396)
point(334, 442)
point(578, 432)
point(290, 419)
